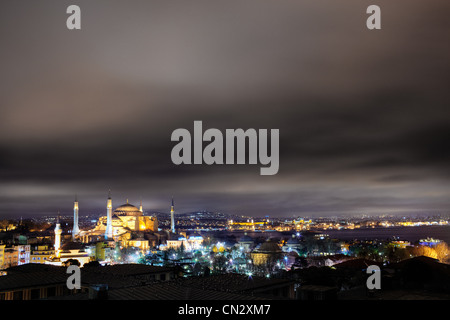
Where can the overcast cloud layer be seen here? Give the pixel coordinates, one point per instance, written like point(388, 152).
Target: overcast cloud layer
point(363, 115)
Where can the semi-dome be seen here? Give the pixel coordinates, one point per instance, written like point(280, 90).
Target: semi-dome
point(127, 210)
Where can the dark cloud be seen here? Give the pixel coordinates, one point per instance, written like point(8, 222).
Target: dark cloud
point(363, 115)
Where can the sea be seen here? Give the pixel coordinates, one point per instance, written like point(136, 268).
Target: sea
point(411, 234)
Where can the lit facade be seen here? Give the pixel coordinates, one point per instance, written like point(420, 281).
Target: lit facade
point(119, 223)
point(41, 253)
point(23, 254)
point(2, 256)
point(249, 225)
point(189, 243)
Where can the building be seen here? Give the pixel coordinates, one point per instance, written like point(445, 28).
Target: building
point(99, 251)
point(315, 292)
point(14, 255)
point(10, 256)
point(225, 287)
point(190, 243)
point(246, 243)
point(255, 286)
point(429, 242)
point(119, 224)
point(2, 256)
point(41, 253)
point(68, 251)
point(267, 254)
point(23, 254)
point(136, 281)
point(139, 243)
point(123, 227)
point(402, 244)
point(33, 281)
point(293, 245)
point(250, 225)
point(37, 281)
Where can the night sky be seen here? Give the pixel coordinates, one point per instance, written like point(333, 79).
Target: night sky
point(363, 115)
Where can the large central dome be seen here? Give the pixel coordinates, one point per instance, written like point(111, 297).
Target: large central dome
point(127, 210)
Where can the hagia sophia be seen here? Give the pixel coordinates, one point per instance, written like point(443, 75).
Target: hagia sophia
point(125, 226)
point(117, 224)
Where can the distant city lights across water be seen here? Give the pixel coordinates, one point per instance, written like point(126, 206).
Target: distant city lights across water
point(411, 234)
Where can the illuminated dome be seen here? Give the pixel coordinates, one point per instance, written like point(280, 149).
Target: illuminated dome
point(127, 210)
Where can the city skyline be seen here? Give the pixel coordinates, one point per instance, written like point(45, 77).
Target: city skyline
point(363, 115)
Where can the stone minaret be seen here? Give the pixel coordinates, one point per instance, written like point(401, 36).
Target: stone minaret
point(172, 220)
point(58, 232)
point(76, 229)
point(109, 231)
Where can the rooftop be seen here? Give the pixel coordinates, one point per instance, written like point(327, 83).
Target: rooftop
point(174, 291)
point(117, 276)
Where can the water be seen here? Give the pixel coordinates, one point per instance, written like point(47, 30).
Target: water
point(411, 234)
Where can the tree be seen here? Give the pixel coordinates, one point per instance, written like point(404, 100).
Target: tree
point(198, 254)
point(4, 224)
point(219, 263)
point(394, 254)
point(168, 257)
point(181, 250)
point(271, 262)
point(424, 251)
point(442, 252)
point(91, 264)
point(300, 262)
point(71, 262)
point(197, 269)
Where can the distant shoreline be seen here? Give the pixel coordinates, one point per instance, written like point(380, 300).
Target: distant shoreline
point(411, 234)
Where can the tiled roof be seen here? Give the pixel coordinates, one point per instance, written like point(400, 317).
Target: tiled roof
point(34, 267)
point(230, 282)
point(117, 276)
point(32, 279)
point(173, 291)
point(127, 269)
point(356, 264)
point(124, 283)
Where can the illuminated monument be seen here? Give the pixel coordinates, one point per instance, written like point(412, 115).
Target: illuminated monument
point(120, 223)
point(109, 231)
point(58, 232)
point(172, 219)
point(68, 251)
point(125, 226)
point(76, 229)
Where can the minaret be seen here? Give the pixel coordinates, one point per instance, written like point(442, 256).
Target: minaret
point(172, 220)
point(58, 232)
point(76, 229)
point(140, 207)
point(109, 231)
